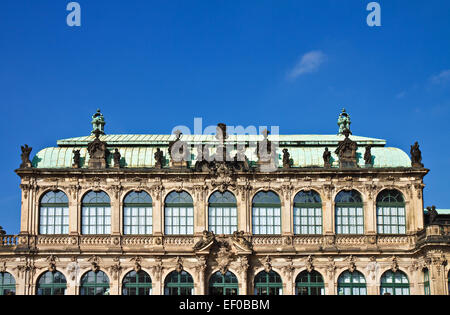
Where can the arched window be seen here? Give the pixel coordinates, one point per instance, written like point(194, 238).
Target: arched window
point(426, 281)
point(94, 283)
point(266, 213)
point(96, 213)
point(179, 214)
point(268, 283)
point(223, 284)
point(307, 213)
point(179, 283)
point(7, 284)
point(349, 213)
point(352, 283)
point(54, 213)
point(222, 213)
point(391, 216)
point(51, 283)
point(137, 283)
point(394, 283)
point(137, 214)
point(309, 283)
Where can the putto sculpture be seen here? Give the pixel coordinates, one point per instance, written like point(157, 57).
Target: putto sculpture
point(416, 156)
point(25, 156)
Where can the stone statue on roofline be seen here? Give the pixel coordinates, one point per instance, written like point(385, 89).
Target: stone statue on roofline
point(416, 156)
point(326, 158)
point(76, 159)
point(159, 158)
point(368, 156)
point(25, 156)
point(344, 122)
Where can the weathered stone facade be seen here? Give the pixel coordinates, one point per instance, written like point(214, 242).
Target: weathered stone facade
point(28, 255)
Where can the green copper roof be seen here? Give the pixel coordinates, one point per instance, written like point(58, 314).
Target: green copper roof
point(138, 151)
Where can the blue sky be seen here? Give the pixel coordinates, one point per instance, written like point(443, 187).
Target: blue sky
point(152, 65)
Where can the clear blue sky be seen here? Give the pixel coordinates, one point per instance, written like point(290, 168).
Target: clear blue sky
point(151, 65)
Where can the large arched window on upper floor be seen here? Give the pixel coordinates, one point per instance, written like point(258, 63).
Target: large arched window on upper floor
point(137, 283)
point(266, 213)
point(54, 213)
point(96, 213)
point(268, 283)
point(223, 284)
point(222, 213)
point(391, 215)
point(349, 213)
point(307, 213)
point(137, 214)
point(7, 284)
point(179, 283)
point(352, 283)
point(51, 283)
point(94, 283)
point(179, 214)
point(394, 283)
point(309, 283)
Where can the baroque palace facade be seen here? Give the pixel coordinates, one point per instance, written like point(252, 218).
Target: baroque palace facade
point(181, 215)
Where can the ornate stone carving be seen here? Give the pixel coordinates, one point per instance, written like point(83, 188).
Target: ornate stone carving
point(309, 264)
point(179, 264)
point(351, 263)
point(266, 153)
point(51, 260)
point(95, 263)
point(223, 259)
point(116, 268)
point(76, 159)
point(288, 269)
point(346, 151)
point(97, 152)
point(240, 241)
point(416, 156)
point(206, 242)
point(3, 266)
point(432, 214)
point(327, 158)
point(372, 268)
point(394, 264)
point(267, 264)
point(25, 156)
point(158, 268)
point(73, 269)
point(331, 267)
point(243, 264)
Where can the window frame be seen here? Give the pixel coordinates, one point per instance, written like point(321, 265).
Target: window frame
point(231, 206)
point(352, 285)
point(94, 285)
point(298, 207)
point(267, 284)
point(394, 285)
point(224, 285)
point(47, 206)
point(179, 205)
point(179, 285)
point(105, 206)
point(52, 286)
point(381, 206)
point(266, 206)
point(340, 206)
point(131, 206)
point(309, 285)
point(8, 287)
point(137, 285)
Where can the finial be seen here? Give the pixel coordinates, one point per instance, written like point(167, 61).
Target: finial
point(344, 122)
point(98, 122)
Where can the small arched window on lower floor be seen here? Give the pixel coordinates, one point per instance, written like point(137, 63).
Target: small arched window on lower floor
point(394, 283)
point(179, 283)
point(7, 284)
point(137, 283)
point(94, 283)
point(309, 283)
point(426, 282)
point(352, 283)
point(268, 283)
point(223, 284)
point(51, 283)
